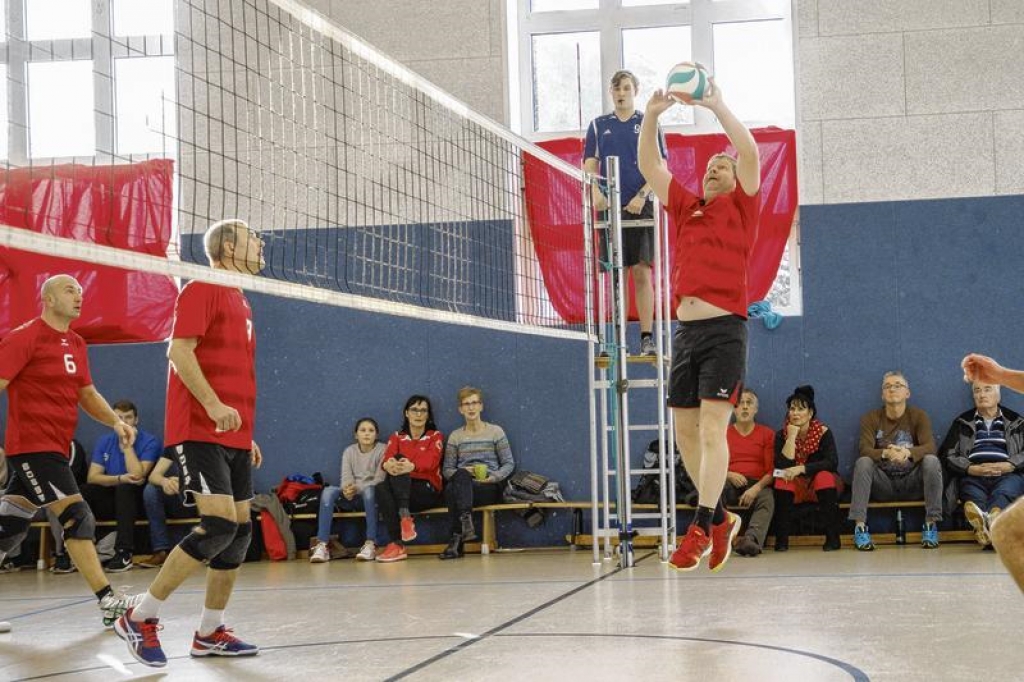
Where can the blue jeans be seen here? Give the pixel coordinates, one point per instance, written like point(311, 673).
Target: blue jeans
point(992, 491)
point(158, 504)
point(332, 498)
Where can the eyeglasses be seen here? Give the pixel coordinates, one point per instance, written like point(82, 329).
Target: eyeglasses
point(471, 403)
point(984, 389)
point(418, 410)
point(893, 387)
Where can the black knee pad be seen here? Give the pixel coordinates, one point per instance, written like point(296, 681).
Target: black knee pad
point(78, 522)
point(234, 554)
point(217, 533)
point(14, 523)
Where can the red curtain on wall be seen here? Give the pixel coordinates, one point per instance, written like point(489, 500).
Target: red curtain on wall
point(553, 209)
point(124, 206)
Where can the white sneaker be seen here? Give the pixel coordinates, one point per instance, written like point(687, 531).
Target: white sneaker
point(368, 551)
point(319, 555)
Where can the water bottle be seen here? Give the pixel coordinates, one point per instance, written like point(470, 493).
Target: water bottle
point(901, 536)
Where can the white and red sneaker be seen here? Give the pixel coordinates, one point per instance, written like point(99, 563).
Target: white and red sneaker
point(393, 552)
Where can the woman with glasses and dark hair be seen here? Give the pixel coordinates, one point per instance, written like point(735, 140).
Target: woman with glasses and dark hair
point(412, 481)
point(805, 469)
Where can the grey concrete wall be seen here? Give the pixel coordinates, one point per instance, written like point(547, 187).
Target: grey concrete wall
point(457, 44)
point(910, 99)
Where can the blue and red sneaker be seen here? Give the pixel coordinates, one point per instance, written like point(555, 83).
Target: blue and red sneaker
point(141, 639)
point(221, 642)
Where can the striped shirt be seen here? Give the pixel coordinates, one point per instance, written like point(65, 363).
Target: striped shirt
point(989, 440)
point(487, 446)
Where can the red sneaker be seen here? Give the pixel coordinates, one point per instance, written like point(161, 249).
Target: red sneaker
point(722, 536)
point(694, 546)
point(393, 552)
point(408, 529)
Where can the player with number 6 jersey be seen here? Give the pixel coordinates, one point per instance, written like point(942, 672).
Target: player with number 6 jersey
point(45, 370)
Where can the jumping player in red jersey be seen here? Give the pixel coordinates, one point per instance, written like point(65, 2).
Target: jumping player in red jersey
point(709, 283)
point(211, 401)
point(45, 369)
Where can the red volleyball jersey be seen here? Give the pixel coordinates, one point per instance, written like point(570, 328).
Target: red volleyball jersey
point(46, 370)
point(221, 319)
point(713, 242)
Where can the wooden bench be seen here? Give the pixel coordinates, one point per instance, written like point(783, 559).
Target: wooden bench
point(488, 536)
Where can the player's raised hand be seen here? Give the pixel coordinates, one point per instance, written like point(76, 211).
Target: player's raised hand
point(659, 103)
point(225, 417)
point(712, 97)
point(981, 368)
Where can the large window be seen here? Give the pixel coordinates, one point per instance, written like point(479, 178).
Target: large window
point(564, 53)
point(87, 79)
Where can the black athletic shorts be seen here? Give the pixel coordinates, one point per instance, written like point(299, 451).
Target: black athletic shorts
point(709, 361)
point(637, 242)
point(212, 469)
point(40, 477)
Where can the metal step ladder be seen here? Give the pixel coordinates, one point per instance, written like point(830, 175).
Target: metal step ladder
point(614, 521)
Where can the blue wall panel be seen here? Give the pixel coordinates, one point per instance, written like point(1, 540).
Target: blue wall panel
point(910, 285)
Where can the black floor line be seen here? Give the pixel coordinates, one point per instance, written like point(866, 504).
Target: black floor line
point(507, 624)
point(856, 673)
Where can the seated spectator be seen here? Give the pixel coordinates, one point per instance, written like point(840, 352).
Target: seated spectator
point(984, 448)
point(360, 474)
point(162, 498)
point(114, 486)
point(805, 454)
point(748, 483)
point(897, 462)
point(477, 460)
point(412, 464)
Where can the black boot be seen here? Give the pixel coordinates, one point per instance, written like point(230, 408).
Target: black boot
point(828, 506)
point(454, 549)
point(783, 519)
point(468, 531)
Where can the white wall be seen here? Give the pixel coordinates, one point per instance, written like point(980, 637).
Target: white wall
point(910, 99)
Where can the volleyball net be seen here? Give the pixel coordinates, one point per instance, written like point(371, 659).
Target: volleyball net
point(370, 187)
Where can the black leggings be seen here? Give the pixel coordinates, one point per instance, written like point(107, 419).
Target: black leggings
point(396, 492)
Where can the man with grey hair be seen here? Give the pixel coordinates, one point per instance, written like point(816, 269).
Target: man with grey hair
point(984, 449)
point(211, 405)
point(45, 369)
point(897, 462)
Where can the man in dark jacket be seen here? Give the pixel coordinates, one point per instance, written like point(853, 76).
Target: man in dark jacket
point(984, 448)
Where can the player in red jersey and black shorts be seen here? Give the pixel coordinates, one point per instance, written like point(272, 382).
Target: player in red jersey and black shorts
point(211, 403)
point(709, 284)
point(45, 369)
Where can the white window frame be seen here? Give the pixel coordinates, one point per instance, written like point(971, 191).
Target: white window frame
point(102, 50)
point(609, 20)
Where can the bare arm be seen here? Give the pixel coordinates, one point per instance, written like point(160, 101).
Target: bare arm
point(182, 354)
point(3, 384)
point(982, 368)
point(652, 165)
point(748, 160)
point(97, 407)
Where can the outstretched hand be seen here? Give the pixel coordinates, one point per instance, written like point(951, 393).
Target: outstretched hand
point(712, 97)
point(659, 103)
point(981, 368)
